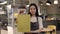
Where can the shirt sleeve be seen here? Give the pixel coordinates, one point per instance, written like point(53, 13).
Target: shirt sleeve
point(40, 22)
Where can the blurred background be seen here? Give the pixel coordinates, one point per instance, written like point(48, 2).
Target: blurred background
point(49, 10)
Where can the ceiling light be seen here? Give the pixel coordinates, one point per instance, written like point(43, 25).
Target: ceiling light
point(56, 2)
point(4, 2)
point(41, 4)
point(48, 3)
point(27, 6)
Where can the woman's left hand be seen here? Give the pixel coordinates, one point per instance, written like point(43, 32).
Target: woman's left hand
point(36, 31)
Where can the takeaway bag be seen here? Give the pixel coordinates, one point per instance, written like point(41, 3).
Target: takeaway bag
point(23, 23)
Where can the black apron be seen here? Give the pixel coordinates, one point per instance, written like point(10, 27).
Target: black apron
point(34, 26)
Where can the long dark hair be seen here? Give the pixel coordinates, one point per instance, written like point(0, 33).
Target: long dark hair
point(36, 14)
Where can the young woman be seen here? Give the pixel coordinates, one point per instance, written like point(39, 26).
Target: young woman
point(36, 21)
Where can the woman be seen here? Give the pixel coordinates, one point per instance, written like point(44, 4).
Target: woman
point(36, 21)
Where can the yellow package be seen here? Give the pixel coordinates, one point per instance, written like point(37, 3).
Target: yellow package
point(23, 23)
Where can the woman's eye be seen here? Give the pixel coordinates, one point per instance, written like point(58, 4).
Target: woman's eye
point(31, 9)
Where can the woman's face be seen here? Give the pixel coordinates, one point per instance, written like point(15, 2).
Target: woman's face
point(32, 10)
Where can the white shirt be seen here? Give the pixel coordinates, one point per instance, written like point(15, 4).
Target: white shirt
point(40, 22)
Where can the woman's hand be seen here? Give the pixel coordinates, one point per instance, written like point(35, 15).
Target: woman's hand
point(36, 31)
